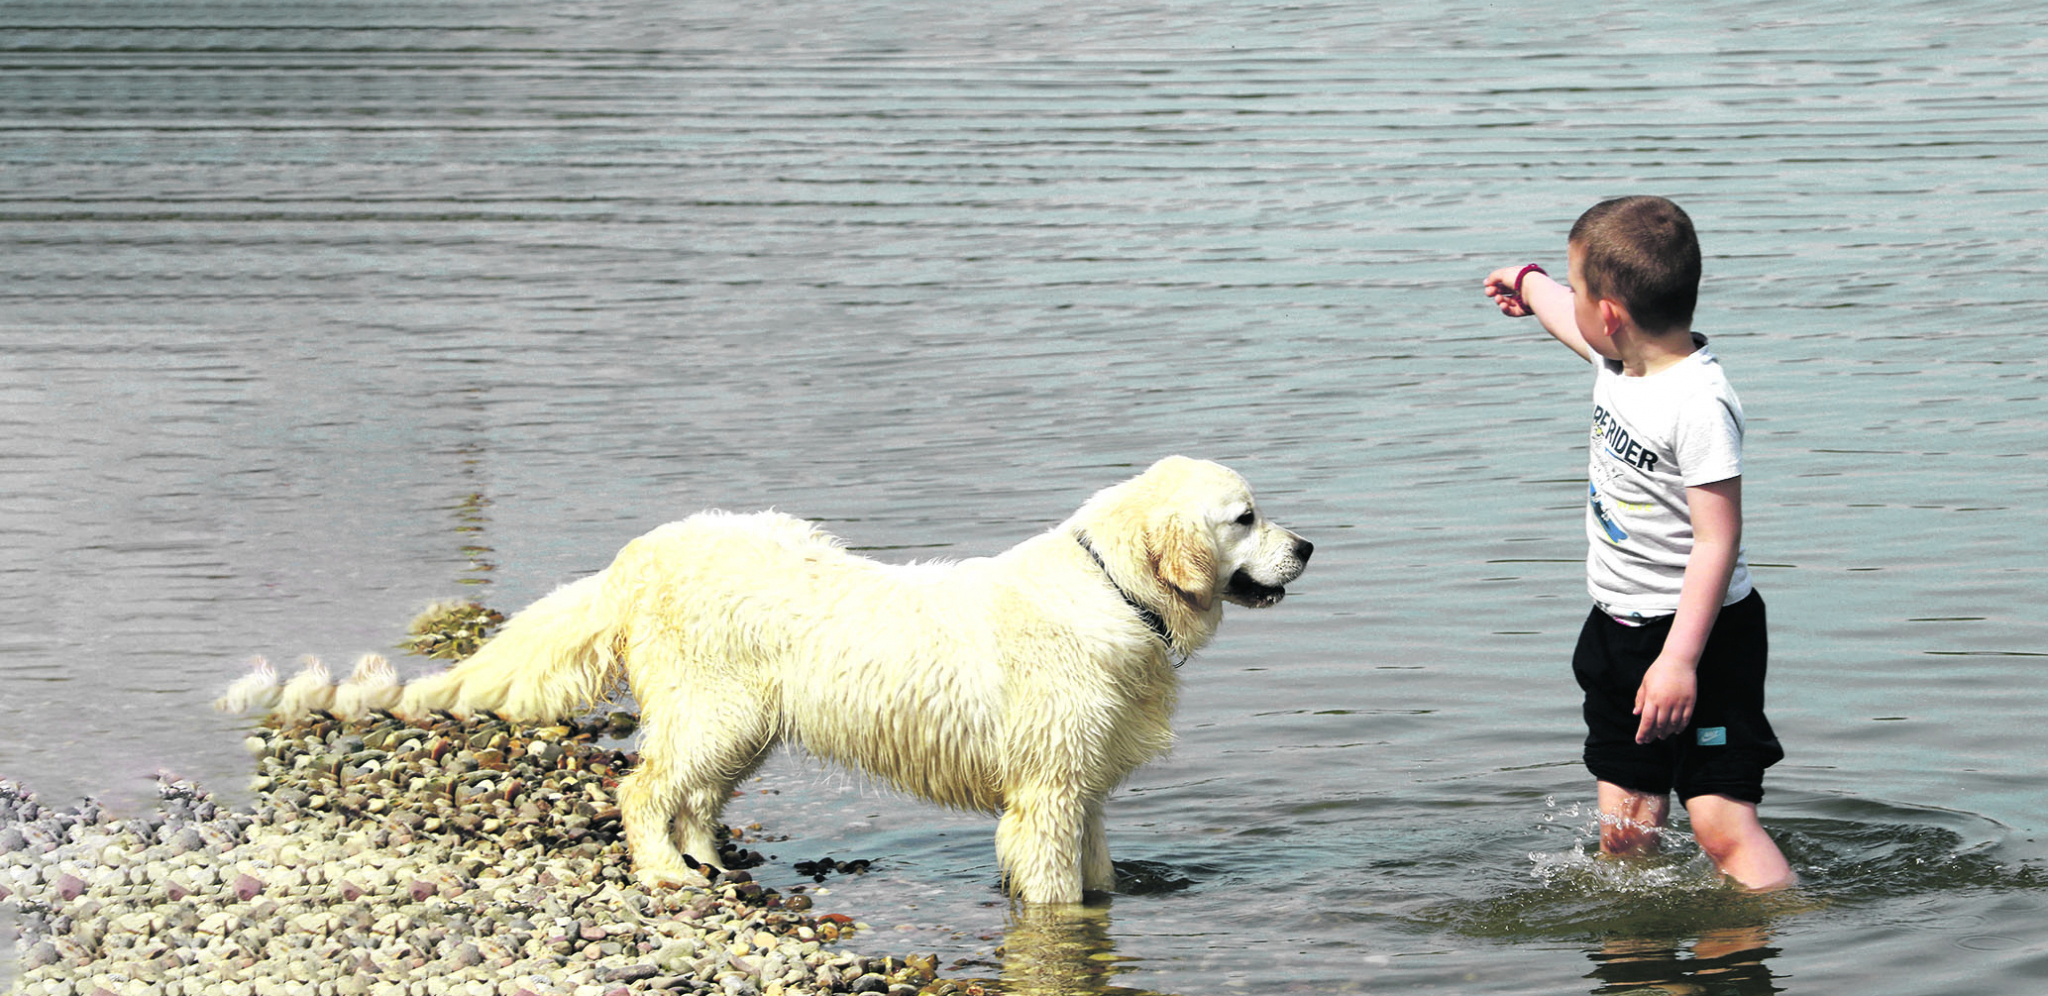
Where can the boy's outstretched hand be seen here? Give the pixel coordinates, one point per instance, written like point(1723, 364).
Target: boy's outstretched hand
point(1500, 286)
point(1665, 699)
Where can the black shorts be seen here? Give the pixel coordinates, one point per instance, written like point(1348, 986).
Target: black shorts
point(1729, 743)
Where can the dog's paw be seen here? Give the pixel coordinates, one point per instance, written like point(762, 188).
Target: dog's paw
point(670, 878)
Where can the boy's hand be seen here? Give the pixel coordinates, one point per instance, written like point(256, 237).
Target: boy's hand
point(1500, 286)
point(1665, 699)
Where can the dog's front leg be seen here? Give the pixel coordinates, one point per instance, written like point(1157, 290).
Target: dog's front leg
point(1098, 873)
point(1038, 844)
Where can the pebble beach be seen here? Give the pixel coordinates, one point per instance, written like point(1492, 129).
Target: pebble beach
point(380, 858)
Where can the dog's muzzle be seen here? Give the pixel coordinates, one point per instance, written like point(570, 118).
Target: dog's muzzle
point(1246, 590)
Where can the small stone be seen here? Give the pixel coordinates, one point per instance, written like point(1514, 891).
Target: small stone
point(628, 973)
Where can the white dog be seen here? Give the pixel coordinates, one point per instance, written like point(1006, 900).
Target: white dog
point(1027, 684)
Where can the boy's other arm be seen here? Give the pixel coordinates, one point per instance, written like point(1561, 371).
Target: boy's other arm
point(1671, 687)
point(1550, 301)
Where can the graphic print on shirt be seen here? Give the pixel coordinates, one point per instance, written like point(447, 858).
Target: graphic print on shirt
point(1620, 445)
point(1615, 534)
point(1625, 456)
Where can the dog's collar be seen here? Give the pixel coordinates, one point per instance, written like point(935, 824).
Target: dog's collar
point(1153, 620)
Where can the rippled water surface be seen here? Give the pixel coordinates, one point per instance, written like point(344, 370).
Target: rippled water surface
point(313, 313)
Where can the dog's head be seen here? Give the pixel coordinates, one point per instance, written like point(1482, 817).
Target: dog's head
point(1187, 534)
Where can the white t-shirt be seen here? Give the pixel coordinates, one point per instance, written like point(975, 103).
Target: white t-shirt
point(1653, 437)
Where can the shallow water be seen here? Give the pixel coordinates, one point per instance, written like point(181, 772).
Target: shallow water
point(315, 313)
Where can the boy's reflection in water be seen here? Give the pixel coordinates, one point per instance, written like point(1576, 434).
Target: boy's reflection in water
point(1727, 962)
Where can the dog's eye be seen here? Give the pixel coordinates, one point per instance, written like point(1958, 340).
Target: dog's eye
point(1247, 518)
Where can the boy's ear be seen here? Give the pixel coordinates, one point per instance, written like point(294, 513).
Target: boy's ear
point(1614, 315)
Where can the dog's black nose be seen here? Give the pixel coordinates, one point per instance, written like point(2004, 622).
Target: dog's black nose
point(1302, 548)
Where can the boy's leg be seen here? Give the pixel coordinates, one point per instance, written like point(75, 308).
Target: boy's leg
point(1729, 831)
point(1634, 779)
point(1721, 766)
point(1630, 821)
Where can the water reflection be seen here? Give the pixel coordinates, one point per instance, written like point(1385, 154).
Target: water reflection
point(1069, 951)
point(1729, 962)
point(1060, 951)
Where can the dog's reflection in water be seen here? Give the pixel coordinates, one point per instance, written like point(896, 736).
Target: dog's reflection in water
point(1060, 950)
point(1066, 949)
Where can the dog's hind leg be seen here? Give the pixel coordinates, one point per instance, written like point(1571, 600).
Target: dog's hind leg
point(693, 749)
point(1038, 844)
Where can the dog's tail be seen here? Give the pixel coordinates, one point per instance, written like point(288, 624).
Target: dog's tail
point(308, 692)
point(554, 659)
point(373, 687)
point(253, 692)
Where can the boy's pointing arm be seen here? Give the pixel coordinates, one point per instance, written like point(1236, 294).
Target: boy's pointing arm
point(1551, 302)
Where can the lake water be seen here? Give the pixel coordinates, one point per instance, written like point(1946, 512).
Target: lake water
point(311, 314)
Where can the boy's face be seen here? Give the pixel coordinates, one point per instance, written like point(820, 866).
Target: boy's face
point(1588, 311)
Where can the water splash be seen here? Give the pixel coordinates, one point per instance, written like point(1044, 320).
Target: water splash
point(1679, 865)
point(1580, 894)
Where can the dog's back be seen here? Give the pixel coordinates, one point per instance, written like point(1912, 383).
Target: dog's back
point(886, 667)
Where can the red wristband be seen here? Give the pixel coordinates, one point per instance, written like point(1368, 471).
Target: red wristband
point(1532, 267)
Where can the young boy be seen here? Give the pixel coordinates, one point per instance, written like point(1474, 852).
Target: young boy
point(1672, 657)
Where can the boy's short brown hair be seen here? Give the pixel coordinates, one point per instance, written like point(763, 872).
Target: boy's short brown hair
point(1642, 252)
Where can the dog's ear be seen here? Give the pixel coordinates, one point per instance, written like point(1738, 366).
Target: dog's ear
point(1183, 555)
